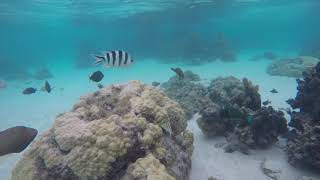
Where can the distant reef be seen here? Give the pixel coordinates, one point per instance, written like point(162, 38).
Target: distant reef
point(129, 131)
point(292, 67)
point(304, 139)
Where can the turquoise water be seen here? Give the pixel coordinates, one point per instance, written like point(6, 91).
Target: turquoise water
point(61, 36)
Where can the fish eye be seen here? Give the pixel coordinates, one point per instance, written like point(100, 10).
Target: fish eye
point(131, 60)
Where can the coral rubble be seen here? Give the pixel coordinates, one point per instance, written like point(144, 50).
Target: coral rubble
point(114, 133)
point(304, 140)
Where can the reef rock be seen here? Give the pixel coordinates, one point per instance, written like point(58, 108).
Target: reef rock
point(262, 128)
point(292, 67)
point(235, 111)
point(304, 140)
point(231, 100)
point(230, 91)
point(191, 95)
point(114, 133)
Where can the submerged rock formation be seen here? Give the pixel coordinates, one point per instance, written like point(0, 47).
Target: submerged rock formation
point(231, 101)
point(292, 67)
point(130, 131)
point(235, 111)
point(191, 95)
point(304, 140)
point(262, 128)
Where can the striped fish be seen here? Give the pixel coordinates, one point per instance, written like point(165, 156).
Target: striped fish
point(114, 59)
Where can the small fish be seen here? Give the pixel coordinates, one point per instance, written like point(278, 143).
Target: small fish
point(265, 103)
point(155, 83)
point(16, 139)
point(166, 127)
point(274, 91)
point(114, 59)
point(250, 119)
point(100, 86)
point(47, 87)
point(96, 76)
point(29, 90)
point(179, 72)
point(269, 55)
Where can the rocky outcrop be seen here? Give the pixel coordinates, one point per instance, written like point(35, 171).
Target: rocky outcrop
point(293, 67)
point(129, 131)
point(304, 140)
point(262, 128)
point(231, 100)
point(188, 92)
point(235, 111)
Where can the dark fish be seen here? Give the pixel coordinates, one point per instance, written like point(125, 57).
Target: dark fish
point(100, 86)
point(16, 139)
point(155, 83)
point(29, 90)
point(269, 55)
point(96, 76)
point(265, 103)
point(274, 91)
point(114, 59)
point(47, 87)
point(179, 72)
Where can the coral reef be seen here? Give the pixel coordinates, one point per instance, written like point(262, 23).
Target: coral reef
point(292, 67)
point(230, 100)
point(235, 111)
point(262, 128)
point(304, 140)
point(230, 91)
point(190, 94)
point(114, 133)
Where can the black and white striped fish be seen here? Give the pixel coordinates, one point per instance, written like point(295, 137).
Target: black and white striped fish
point(114, 59)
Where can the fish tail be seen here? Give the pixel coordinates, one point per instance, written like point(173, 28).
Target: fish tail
point(99, 59)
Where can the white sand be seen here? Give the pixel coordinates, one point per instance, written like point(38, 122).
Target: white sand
point(39, 110)
point(209, 160)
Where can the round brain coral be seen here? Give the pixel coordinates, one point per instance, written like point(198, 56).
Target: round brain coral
point(106, 132)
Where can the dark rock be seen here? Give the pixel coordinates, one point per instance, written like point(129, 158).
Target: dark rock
point(263, 130)
point(304, 140)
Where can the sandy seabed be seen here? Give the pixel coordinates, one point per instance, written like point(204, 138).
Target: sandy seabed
point(39, 111)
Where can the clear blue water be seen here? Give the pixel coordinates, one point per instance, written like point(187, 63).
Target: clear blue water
point(60, 36)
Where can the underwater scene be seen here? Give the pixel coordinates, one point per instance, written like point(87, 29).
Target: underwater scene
point(160, 90)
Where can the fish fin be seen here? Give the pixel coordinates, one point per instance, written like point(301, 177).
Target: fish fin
point(98, 59)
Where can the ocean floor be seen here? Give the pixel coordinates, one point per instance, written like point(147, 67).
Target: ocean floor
point(39, 111)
